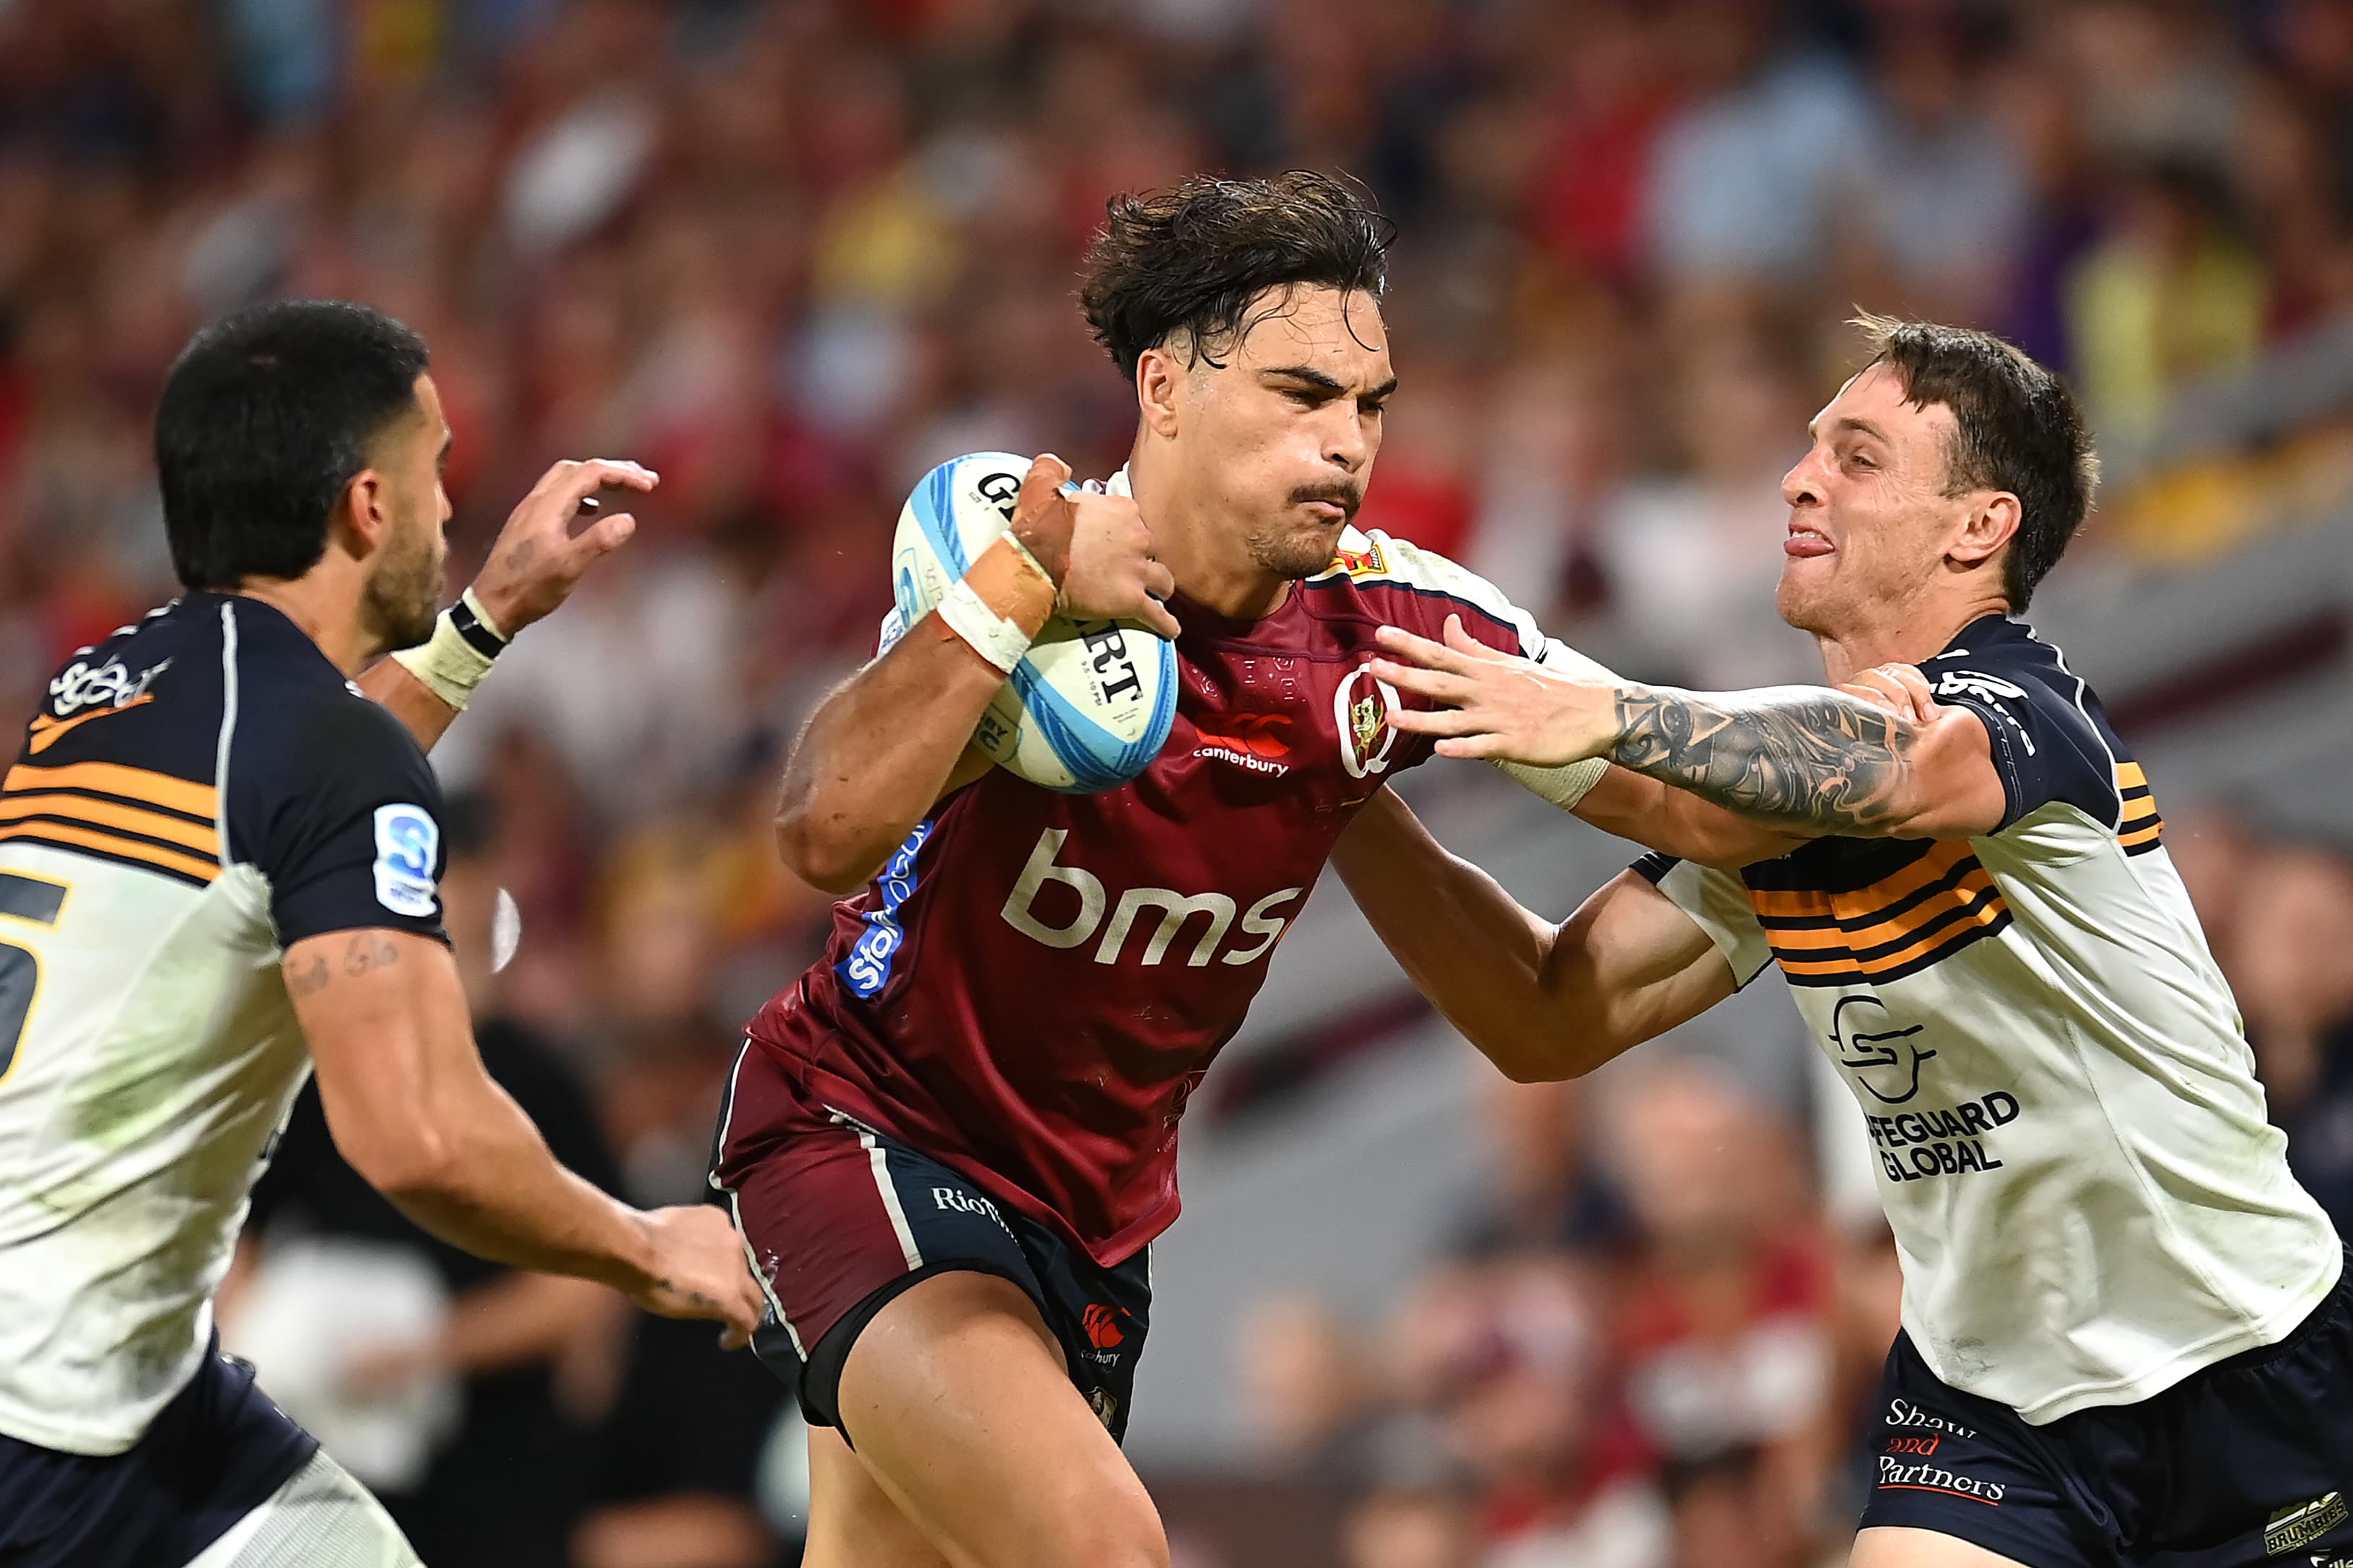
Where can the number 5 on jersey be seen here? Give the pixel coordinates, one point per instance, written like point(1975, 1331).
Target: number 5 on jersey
point(37, 902)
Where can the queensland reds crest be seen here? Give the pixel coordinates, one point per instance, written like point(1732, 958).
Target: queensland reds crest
point(1361, 708)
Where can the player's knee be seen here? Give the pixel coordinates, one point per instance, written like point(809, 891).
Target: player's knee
point(1124, 1537)
point(1110, 1524)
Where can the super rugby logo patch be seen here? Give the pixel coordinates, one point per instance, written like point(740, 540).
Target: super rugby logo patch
point(407, 840)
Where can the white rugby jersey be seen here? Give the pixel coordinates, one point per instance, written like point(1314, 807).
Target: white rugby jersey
point(2069, 1137)
point(196, 792)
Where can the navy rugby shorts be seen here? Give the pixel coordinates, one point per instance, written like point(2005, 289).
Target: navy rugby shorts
point(2248, 1462)
point(840, 1220)
point(216, 1453)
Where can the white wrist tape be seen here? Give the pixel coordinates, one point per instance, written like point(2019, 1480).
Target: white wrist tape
point(450, 663)
point(990, 634)
point(1564, 786)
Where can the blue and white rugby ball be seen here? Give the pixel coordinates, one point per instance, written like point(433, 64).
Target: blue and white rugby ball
point(1093, 702)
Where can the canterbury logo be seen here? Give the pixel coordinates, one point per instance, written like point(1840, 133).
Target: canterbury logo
point(1102, 1324)
point(1255, 733)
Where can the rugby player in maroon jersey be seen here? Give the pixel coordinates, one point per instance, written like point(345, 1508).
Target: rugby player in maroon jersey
point(950, 1143)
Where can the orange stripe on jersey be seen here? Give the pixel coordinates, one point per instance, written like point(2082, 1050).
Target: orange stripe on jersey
point(1976, 884)
point(113, 778)
point(49, 731)
point(1937, 863)
point(2138, 827)
point(59, 832)
point(1987, 911)
point(1914, 916)
point(205, 840)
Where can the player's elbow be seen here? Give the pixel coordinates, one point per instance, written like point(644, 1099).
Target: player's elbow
point(822, 845)
point(1530, 1063)
point(408, 1165)
point(1549, 1054)
point(1536, 1047)
point(819, 852)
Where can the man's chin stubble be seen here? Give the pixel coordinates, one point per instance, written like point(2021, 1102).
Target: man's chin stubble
point(1296, 557)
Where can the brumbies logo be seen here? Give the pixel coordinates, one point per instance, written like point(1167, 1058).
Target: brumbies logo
point(1886, 1062)
point(1361, 708)
point(2305, 1523)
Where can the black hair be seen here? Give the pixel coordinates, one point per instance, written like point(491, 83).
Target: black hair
point(1189, 260)
point(2015, 428)
point(264, 419)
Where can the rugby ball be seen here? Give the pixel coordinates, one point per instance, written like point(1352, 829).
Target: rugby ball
point(1092, 704)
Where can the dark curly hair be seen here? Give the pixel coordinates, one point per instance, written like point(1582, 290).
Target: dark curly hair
point(1190, 259)
point(2015, 428)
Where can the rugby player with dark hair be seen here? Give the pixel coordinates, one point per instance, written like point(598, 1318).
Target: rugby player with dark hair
point(2128, 1338)
point(950, 1149)
point(218, 871)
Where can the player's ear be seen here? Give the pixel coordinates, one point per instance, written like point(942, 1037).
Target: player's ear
point(1159, 380)
point(361, 519)
point(1992, 519)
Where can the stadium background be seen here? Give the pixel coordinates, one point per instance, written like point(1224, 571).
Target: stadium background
point(793, 254)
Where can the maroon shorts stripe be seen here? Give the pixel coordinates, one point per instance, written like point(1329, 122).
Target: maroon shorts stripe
point(823, 1225)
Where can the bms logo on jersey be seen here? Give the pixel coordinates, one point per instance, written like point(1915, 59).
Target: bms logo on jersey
point(407, 841)
point(1176, 910)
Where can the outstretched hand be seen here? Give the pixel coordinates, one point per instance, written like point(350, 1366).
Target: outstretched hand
point(1496, 705)
point(537, 560)
point(700, 1270)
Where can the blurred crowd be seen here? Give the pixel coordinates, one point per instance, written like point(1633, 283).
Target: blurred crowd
point(1651, 1344)
point(794, 253)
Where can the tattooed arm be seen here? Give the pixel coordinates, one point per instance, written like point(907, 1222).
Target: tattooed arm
point(1814, 761)
point(1879, 760)
point(411, 1108)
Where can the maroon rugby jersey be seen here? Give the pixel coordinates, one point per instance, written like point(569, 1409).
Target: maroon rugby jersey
point(1036, 982)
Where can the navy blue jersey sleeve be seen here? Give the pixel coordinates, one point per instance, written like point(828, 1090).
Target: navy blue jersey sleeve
point(2049, 743)
point(338, 809)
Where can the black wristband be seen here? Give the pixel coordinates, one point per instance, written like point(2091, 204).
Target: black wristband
point(479, 637)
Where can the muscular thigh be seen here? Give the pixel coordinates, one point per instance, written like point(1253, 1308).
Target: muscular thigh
point(960, 1407)
point(853, 1523)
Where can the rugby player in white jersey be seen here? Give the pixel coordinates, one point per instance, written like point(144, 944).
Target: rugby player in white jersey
point(2126, 1333)
point(219, 868)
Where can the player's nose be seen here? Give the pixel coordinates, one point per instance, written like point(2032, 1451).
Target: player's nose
point(1345, 445)
point(1801, 486)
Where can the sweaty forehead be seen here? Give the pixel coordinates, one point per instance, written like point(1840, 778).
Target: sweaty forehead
point(1342, 335)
